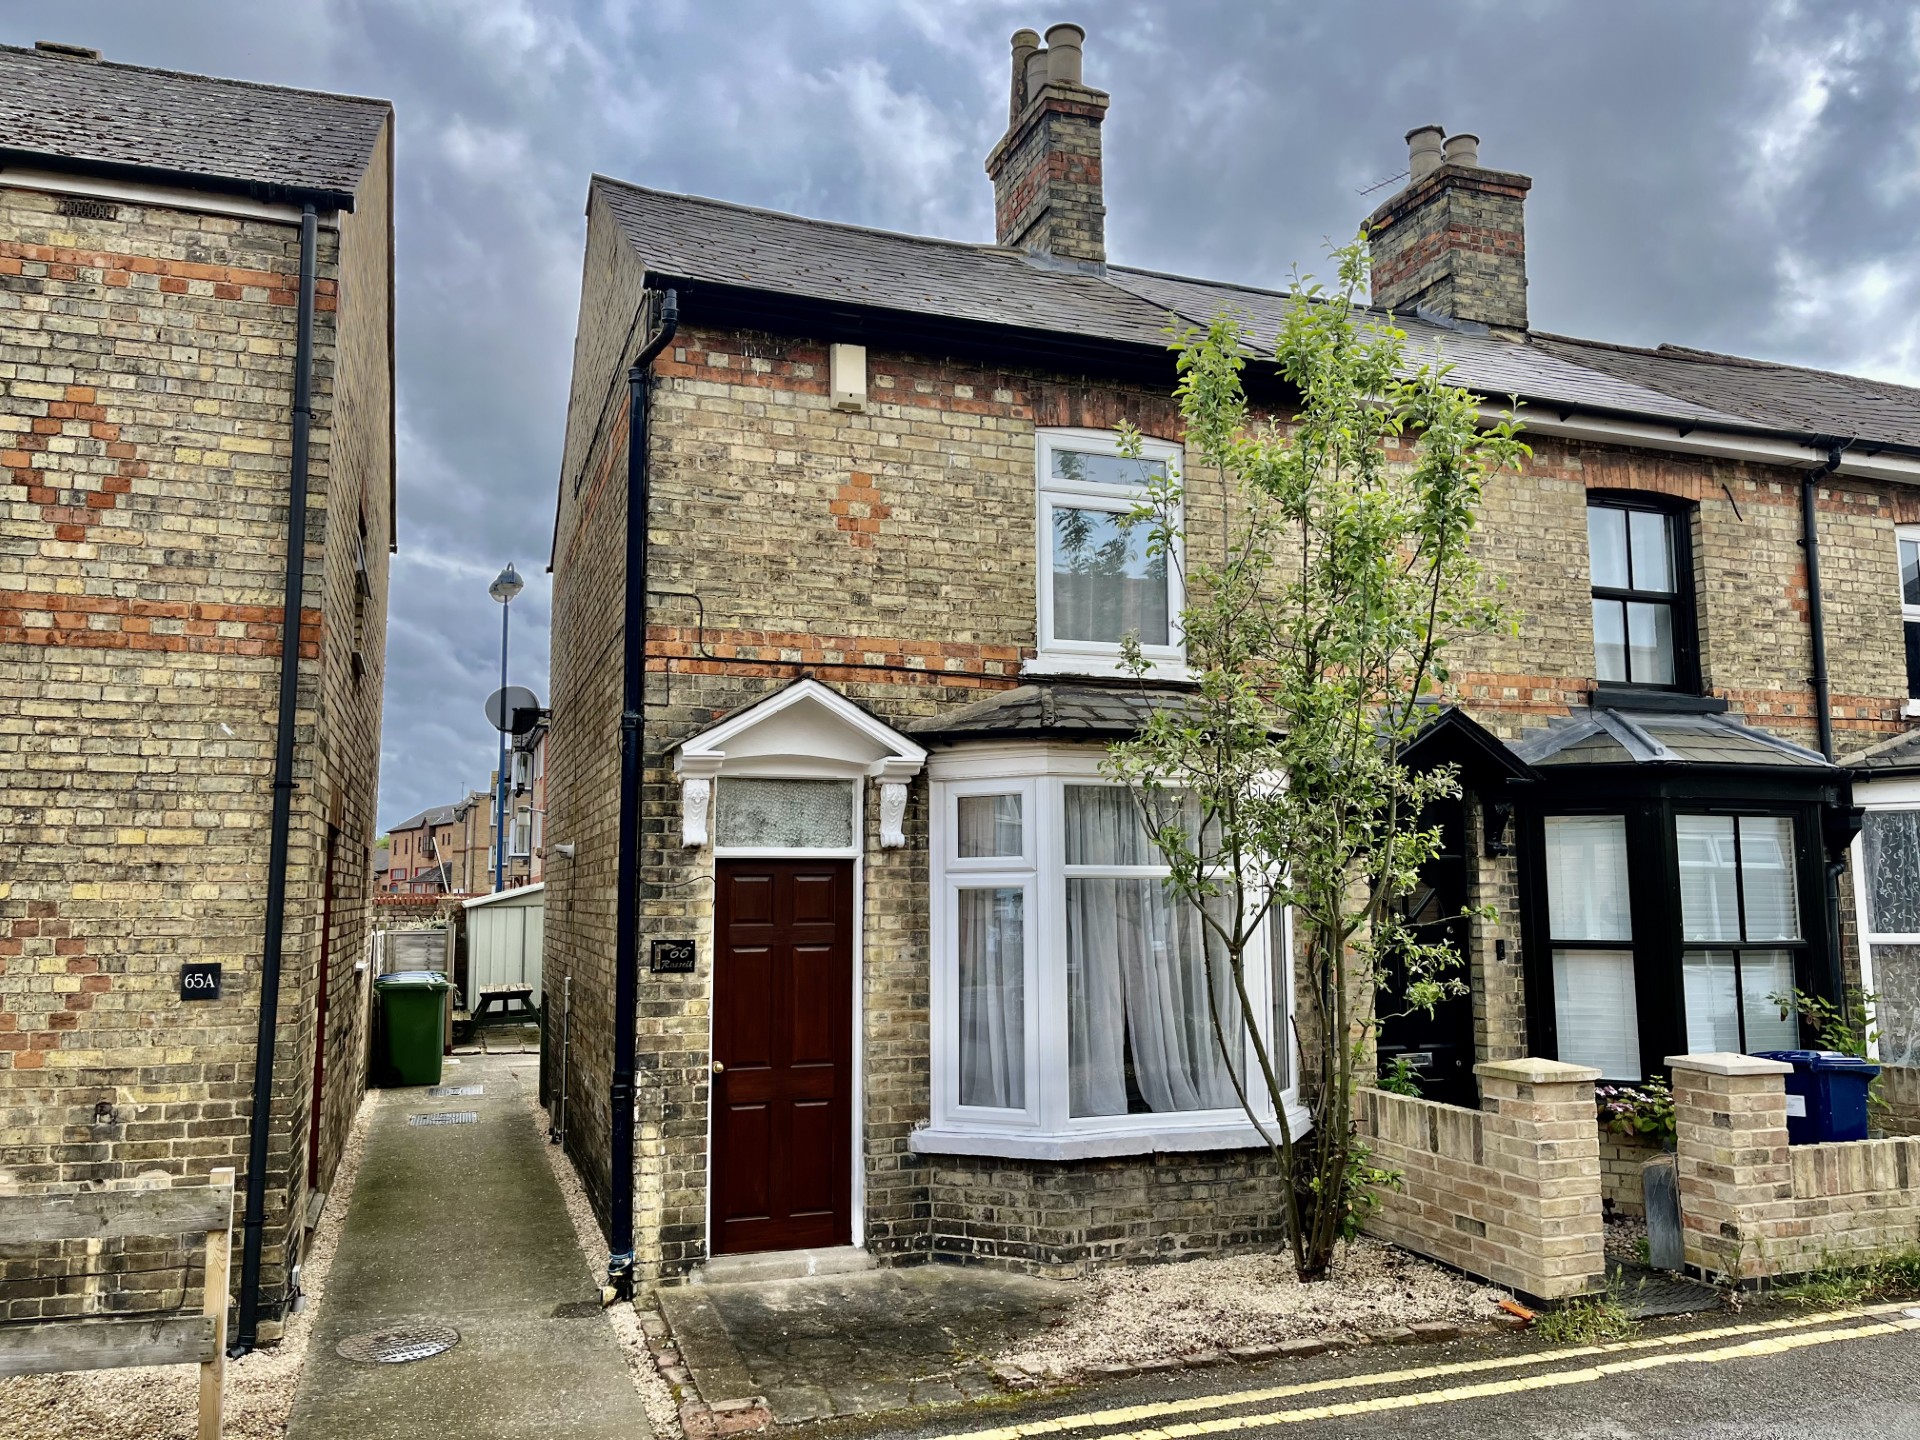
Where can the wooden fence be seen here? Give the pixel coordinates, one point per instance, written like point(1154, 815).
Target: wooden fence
point(42, 1347)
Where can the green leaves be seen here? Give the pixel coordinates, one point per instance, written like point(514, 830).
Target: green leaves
point(1327, 563)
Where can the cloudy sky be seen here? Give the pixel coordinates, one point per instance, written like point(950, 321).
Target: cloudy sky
point(1731, 174)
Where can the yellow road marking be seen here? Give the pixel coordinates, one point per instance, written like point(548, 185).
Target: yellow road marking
point(1134, 1414)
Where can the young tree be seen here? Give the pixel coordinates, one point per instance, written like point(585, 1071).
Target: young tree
point(1316, 622)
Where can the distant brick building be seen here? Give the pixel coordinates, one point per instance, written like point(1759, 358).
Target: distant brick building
point(447, 850)
point(928, 1006)
point(150, 297)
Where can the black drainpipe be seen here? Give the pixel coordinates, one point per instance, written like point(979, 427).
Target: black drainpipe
point(1816, 614)
point(261, 1121)
point(633, 704)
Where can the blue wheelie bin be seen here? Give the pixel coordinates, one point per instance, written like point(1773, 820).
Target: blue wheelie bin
point(1826, 1095)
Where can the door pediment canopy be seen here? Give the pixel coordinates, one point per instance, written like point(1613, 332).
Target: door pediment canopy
point(805, 729)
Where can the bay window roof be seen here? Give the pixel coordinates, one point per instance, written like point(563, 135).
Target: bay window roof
point(1604, 736)
point(1057, 710)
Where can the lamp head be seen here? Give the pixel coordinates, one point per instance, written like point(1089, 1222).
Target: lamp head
point(507, 585)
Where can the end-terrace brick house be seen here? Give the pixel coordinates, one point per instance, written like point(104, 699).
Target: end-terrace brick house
point(151, 241)
point(937, 1004)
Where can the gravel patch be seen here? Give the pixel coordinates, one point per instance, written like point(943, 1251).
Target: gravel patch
point(163, 1402)
point(1153, 1314)
point(1625, 1239)
point(663, 1412)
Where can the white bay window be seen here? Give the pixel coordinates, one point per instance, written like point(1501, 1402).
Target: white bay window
point(1073, 996)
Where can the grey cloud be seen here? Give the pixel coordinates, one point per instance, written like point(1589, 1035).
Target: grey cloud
point(1738, 175)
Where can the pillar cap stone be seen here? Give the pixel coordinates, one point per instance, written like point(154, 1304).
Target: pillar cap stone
point(1532, 1071)
point(1726, 1062)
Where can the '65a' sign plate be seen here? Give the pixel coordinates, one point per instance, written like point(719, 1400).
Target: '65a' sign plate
point(200, 981)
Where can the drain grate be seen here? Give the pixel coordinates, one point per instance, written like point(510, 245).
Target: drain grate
point(445, 1117)
point(442, 1092)
point(419, 1341)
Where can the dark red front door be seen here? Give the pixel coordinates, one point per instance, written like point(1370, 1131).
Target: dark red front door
point(783, 1048)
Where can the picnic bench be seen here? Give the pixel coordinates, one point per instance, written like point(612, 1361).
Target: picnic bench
point(41, 1347)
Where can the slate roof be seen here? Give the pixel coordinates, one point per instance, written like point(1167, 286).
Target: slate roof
point(695, 239)
point(1601, 736)
point(1898, 756)
point(1053, 708)
point(61, 112)
point(1814, 401)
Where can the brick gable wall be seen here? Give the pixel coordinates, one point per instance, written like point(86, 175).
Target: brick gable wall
point(146, 362)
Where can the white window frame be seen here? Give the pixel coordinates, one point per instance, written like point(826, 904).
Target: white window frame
point(1093, 657)
point(1045, 1129)
point(1909, 614)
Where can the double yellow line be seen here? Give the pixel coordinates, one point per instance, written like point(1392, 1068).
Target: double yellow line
point(1770, 1337)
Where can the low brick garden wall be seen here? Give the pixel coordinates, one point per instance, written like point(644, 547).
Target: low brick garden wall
point(1754, 1208)
point(1509, 1192)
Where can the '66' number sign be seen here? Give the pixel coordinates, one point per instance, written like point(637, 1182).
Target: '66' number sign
point(200, 981)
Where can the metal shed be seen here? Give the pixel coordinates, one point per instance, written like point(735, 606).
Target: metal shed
point(504, 933)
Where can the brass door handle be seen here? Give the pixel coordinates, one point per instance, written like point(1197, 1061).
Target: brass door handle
point(718, 1068)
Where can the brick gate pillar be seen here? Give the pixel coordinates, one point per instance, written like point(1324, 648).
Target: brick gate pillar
point(1736, 1182)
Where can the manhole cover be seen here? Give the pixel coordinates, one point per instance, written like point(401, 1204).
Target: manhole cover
point(445, 1117)
point(443, 1092)
point(399, 1345)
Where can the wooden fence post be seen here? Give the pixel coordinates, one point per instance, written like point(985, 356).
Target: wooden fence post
point(213, 1372)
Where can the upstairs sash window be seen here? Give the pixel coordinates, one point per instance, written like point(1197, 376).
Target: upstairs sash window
point(1642, 606)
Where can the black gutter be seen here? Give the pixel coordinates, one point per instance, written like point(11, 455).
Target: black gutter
point(633, 706)
point(282, 823)
point(266, 191)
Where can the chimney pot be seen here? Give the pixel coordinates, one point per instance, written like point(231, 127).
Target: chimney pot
point(1463, 149)
point(1423, 152)
point(1025, 43)
point(1063, 53)
point(1036, 75)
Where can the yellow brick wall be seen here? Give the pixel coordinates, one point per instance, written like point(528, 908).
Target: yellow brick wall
point(146, 360)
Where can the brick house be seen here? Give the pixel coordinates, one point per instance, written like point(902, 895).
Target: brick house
point(906, 981)
point(157, 336)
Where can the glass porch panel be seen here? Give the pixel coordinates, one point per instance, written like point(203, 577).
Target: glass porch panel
point(1587, 878)
point(1892, 840)
point(1709, 887)
point(1766, 877)
point(1595, 1010)
point(1896, 980)
point(1763, 975)
point(784, 814)
point(1712, 997)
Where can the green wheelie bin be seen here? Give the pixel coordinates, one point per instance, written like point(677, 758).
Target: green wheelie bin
point(413, 1019)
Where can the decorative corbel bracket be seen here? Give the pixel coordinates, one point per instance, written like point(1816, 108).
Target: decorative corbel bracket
point(696, 795)
point(893, 776)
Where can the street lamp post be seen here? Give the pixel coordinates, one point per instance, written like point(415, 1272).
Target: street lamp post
point(503, 589)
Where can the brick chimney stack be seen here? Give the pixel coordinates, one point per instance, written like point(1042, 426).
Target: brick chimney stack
point(1046, 168)
point(1453, 243)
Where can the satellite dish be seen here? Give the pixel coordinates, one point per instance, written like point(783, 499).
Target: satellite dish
point(515, 710)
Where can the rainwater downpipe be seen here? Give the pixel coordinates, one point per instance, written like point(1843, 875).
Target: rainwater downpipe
point(260, 1123)
point(1823, 696)
point(633, 704)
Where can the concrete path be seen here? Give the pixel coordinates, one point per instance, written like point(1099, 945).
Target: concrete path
point(463, 1225)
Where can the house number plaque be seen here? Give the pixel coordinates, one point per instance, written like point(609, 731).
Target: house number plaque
point(200, 981)
point(672, 957)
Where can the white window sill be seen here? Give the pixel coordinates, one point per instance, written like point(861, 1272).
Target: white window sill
point(1910, 709)
point(1099, 1144)
point(1165, 671)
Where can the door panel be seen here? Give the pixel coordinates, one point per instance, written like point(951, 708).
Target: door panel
point(783, 1040)
point(1439, 1046)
